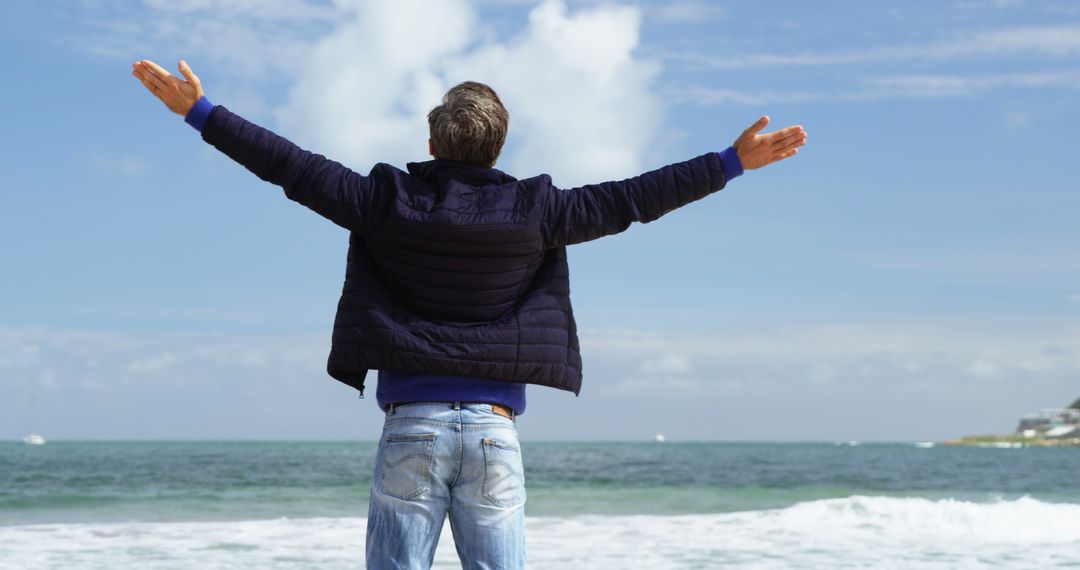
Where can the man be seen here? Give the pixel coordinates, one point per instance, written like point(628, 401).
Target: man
point(457, 291)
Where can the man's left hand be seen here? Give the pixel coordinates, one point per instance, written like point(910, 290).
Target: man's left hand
point(179, 95)
point(757, 150)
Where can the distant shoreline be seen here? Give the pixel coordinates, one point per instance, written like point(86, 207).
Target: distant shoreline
point(1012, 440)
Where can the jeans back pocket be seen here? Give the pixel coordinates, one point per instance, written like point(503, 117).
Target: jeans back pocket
point(504, 475)
point(406, 464)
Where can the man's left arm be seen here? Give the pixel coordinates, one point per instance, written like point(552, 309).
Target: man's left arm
point(597, 210)
point(593, 211)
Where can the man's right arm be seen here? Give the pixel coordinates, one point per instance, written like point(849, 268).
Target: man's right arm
point(332, 190)
point(327, 187)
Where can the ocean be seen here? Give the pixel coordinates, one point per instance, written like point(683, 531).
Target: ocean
point(218, 505)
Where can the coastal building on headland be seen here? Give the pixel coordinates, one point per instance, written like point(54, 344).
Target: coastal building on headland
point(1048, 428)
point(1052, 424)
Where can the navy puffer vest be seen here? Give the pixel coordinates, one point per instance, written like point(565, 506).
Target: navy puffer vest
point(455, 269)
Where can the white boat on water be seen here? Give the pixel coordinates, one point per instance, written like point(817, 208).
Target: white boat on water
point(34, 439)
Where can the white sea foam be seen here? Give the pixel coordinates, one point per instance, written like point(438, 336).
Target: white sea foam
point(854, 532)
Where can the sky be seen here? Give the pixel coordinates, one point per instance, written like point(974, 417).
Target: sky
point(913, 274)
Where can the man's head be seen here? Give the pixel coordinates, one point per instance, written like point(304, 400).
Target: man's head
point(470, 125)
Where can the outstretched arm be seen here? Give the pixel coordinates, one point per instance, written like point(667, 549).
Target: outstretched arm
point(325, 186)
point(598, 210)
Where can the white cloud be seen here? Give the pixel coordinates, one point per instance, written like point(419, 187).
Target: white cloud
point(684, 11)
point(155, 363)
point(268, 10)
point(844, 354)
point(667, 372)
point(1045, 40)
point(633, 385)
point(1051, 40)
point(116, 356)
point(233, 353)
point(364, 89)
point(838, 354)
point(984, 369)
point(95, 384)
point(835, 382)
point(251, 39)
point(666, 364)
point(951, 85)
point(580, 101)
point(890, 87)
point(699, 95)
point(826, 377)
point(1073, 298)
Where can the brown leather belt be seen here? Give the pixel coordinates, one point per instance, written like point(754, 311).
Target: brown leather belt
point(502, 411)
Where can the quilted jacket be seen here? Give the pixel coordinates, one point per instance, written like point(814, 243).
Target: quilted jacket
point(456, 269)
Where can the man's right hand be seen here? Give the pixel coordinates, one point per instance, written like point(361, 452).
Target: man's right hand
point(756, 150)
point(177, 94)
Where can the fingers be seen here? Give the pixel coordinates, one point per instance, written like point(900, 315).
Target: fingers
point(783, 155)
point(785, 139)
point(758, 126)
point(785, 134)
point(156, 69)
point(189, 74)
point(789, 131)
point(148, 81)
point(152, 80)
point(787, 150)
point(789, 144)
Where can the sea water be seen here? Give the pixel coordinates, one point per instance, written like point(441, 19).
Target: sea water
point(211, 505)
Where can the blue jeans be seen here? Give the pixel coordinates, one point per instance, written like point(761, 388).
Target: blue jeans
point(437, 459)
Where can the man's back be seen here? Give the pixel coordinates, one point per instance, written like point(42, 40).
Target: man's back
point(459, 243)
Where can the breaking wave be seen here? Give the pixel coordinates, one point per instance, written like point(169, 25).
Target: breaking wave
point(851, 532)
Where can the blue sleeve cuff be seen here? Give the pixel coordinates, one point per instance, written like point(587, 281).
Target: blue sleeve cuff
point(732, 165)
point(198, 114)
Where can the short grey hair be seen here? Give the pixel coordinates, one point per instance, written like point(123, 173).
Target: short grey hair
point(470, 125)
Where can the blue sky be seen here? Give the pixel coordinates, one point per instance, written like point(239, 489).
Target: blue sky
point(913, 274)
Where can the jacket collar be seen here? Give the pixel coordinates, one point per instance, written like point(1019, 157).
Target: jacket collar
point(439, 171)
